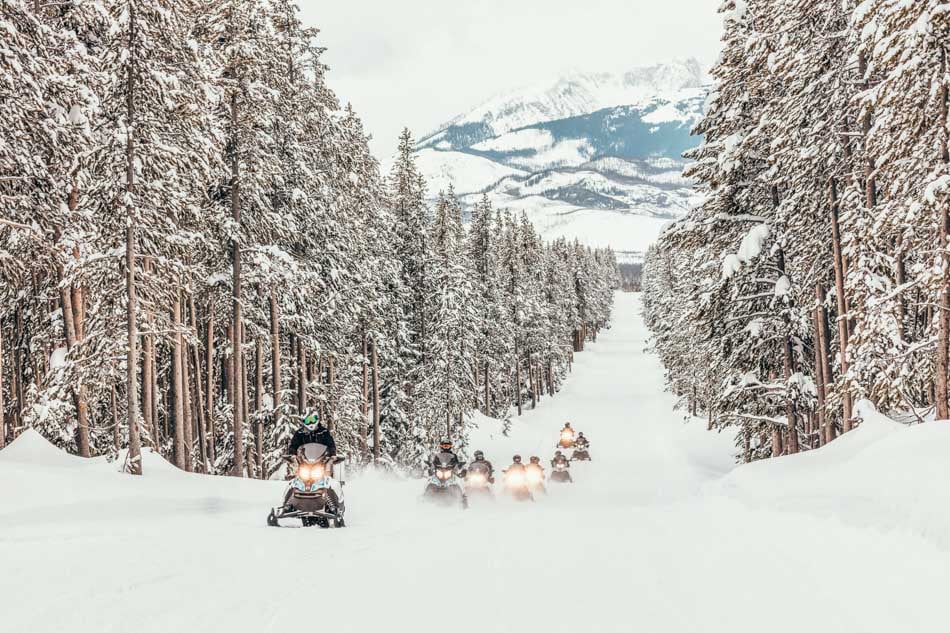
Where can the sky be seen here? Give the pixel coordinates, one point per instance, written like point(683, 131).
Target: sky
point(418, 63)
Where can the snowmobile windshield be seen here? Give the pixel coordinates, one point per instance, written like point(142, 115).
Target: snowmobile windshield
point(479, 467)
point(312, 453)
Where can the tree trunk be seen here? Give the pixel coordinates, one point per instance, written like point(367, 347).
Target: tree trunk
point(943, 324)
point(178, 384)
point(376, 430)
point(276, 385)
point(259, 407)
point(843, 329)
point(199, 394)
point(188, 420)
point(824, 354)
point(114, 401)
point(237, 399)
point(209, 405)
point(518, 378)
point(820, 381)
point(487, 392)
point(364, 408)
point(301, 377)
point(135, 446)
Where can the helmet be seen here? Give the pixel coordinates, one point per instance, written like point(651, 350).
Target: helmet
point(445, 445)
point(535, 459)
point(558, 454)
point(479, 455)
point(567, 425)
point(311, 421)
point(580, 434)
point(516, 459)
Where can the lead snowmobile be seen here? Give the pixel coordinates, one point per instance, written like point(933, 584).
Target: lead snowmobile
point(444, 484)
point(566, 439)
point(314, 495)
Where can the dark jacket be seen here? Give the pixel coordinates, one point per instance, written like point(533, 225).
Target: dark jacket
point(320, 435)
point(560, 460)
point(482, 464)
point(444, 458)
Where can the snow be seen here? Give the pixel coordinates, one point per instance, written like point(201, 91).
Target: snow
point(751, 245)
point(731, 264)
point(528, 139)
point(571, 152)
point(57, 359)
point(783, 286)
point(659, 533)
point(468, 173)
point(579, 93)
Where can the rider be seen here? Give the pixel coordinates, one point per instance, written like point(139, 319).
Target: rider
point(535, 464)
point(581, 441)
point(312, 431)
point(559, 458)
point(451, 459)
point(567, 436)
point(480, 463)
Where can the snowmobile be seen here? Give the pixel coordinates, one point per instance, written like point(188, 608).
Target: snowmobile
point(581, 451)
point(444, 486)
point(314, 495)
point(560, 472)
point(534, 476)
point(567, 439)
point(516, 484)
point(478, 480)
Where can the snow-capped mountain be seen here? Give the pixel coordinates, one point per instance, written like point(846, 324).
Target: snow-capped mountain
point(592, 156)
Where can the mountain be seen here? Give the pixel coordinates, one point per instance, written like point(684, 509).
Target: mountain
point(592, 156)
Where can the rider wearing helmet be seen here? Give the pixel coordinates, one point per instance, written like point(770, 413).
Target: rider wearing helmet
point(559, 458)
point(446, 455)
point(312, 431)
point(581, 441)
point(480, 463)
point(516, 464)
point(535, 464)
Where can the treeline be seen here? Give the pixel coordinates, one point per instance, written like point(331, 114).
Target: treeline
point(196, 247)
point(817, 271)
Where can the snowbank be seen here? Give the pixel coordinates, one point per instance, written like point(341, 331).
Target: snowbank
point(882, 474)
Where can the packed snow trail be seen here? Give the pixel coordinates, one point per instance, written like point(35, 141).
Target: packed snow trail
point(657, 534)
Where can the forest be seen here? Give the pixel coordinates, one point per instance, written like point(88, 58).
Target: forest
point(816, 272)
point(197, 247)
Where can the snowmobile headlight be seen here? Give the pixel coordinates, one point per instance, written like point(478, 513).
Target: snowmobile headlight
point(516, 479)
point(316, 472)
point(477, 478)
point(534, 475)
point(567, 435)
point(443, 474)
point(304, 472)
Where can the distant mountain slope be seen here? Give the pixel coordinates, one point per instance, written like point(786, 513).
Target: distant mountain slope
point(591, 156)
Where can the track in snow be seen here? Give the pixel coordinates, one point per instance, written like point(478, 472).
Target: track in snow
point(646, 540)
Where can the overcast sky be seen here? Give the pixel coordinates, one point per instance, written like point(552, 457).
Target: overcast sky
point(418, 63)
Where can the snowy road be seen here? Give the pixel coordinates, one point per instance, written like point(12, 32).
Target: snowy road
point(655, 536)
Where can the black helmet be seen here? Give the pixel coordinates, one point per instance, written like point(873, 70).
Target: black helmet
point(535, 459)
point(479, 455)
point(558, 454)
point(516, 459)
point(567, 425)
point(580, 434)
point(445, 445)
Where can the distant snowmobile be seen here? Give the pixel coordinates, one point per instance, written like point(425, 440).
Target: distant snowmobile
point(444, 485)
point(314, 495)
point(581, 449)
point(516, 481)
point(478, 480)
point(560, 469)
point(534, 475)
point(567, 437)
